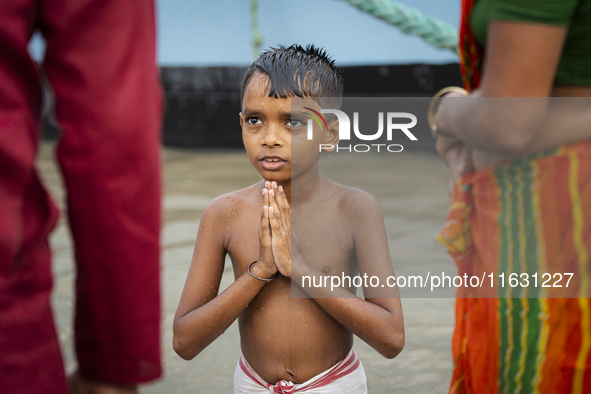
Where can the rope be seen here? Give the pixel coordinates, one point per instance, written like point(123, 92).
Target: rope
point(411, 21)
point(257, 36)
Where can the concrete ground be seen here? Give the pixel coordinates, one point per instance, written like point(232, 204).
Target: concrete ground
point(412, 190)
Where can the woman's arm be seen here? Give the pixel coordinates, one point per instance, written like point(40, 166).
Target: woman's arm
point(520, 62)
point(202, 314)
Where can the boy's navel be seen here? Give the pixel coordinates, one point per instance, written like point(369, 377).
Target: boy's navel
point(291, 375)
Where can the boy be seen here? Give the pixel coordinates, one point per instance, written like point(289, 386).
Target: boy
point(301, 344)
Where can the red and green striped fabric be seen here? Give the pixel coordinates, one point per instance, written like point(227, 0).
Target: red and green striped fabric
point(469, 51)
point(532, 215)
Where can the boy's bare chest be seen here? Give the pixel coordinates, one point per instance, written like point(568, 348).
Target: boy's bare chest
point(324, 240)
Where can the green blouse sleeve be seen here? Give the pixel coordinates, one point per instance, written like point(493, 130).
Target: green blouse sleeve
point(553, 12)
point(575, 62)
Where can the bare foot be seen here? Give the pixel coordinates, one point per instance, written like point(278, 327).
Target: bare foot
point(78, 385)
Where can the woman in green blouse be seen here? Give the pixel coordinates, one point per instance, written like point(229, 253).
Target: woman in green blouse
point(519, 153)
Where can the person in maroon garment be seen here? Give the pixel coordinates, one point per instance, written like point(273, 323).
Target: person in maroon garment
point(100, 62)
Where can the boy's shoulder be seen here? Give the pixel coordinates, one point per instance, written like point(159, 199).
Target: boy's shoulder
point(243, 199)
point(359, 211)
point(233, 215)
point(348, 197)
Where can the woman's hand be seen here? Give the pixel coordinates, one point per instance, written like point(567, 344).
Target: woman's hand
point(455, 152)
point(458, 158)
point(280, 219)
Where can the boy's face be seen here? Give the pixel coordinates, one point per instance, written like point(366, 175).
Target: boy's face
point(273, 136)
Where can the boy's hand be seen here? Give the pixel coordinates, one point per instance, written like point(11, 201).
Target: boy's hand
point(265, 267)
point(280, 219)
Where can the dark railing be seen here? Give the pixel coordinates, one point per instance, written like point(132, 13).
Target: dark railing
point(202, 103)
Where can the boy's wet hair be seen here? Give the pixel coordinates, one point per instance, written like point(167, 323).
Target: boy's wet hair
point(296, 71)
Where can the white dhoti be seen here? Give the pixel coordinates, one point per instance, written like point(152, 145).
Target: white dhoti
point(346, 377)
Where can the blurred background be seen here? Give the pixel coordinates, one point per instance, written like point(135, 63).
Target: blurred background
point(203, 50)
point(205, 46)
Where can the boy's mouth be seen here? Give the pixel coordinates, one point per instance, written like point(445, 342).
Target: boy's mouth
point(272, 163)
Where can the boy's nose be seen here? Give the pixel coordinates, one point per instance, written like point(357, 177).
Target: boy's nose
point(272, 137)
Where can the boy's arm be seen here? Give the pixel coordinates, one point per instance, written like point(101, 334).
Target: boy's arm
point(377, 319)
point(202, 314)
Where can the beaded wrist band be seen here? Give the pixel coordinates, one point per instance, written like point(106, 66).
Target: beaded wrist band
point(259, 278)
point(433, 107)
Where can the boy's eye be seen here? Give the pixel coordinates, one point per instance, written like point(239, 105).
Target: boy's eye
point(295, 123)
point(253, 120)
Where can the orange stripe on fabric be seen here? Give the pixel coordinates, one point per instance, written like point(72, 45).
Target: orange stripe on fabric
point(578, 241)
point(563, 315)
point(485, 324)
point(486, 238)
point(555, 205)
point(585, 192)
point(458, 345)
point(492, 239)
point(456, 385)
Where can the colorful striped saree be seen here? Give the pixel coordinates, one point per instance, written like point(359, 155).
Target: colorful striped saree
point(530, 216)
point(525, 217)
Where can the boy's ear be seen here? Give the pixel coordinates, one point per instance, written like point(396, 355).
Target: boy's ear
point(333, 133)
point(241, 120)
